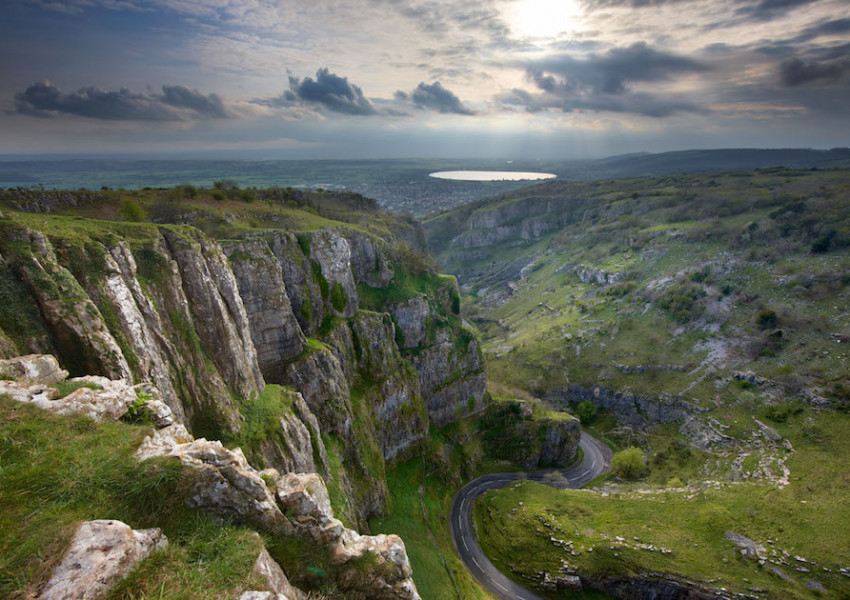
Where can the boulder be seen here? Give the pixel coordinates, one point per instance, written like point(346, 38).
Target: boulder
point(36, 369)
point(749, 548)
point(101, 554)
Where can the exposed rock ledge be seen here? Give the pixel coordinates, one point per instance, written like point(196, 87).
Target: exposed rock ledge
point(223, 484)
point(227, 486)
point(101, 554)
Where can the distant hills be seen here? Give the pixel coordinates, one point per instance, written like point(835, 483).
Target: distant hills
point(692, 161)
point(400, 185)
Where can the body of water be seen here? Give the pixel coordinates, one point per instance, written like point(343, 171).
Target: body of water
point(492, 175)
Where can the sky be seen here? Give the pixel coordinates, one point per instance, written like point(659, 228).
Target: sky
point(422, 78)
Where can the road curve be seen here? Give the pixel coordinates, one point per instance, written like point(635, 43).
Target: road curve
point(597, 458)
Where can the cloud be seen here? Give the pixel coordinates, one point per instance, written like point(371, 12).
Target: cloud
point(636, 103)
point(330, 91)
point(795, 72)
point(767, 10)
point(435, 97)
point(611, 72)
point(833, 27)
point(176, 103)
point(602, 82)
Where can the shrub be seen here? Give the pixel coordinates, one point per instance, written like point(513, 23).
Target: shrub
point(767, 319)
point(585, 412)
point(130, 211)
point(306, 311)
point(136, 412)
point(823, 243)
point(339, 299)
point(629, 463)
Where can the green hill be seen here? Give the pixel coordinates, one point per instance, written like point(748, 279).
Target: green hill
point(700, 318)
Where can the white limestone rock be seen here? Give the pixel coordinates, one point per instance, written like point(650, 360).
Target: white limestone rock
point(101, 553)
point(36, 369)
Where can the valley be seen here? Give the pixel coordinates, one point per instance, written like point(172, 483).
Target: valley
point(672, 345)
point(698, 320)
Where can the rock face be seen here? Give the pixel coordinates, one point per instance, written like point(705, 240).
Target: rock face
point(635, 410)
point(209, 324)
point(515, 433)
point(101, 554)
point(225, 485)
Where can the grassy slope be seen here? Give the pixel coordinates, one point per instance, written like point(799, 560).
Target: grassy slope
point(691, 523)
point(58, 471)
point(755, 233)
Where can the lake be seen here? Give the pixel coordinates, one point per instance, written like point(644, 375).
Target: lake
point(492, 175)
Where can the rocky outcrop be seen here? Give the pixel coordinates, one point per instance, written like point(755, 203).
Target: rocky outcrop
point(78, 328)
point(560, 441)
point(222, 481)
point(636, 410)
point(513, 432)
point(218, 313)
point(306, 497)
point(595, 275)
point(210, 323)
point(297, 445)
point(225, 485)
point(34, 369)
point(101, 554)
point(276, 580)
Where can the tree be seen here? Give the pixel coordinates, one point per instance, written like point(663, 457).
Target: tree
point(130, 211)
point(585, 412)
point(629, 463)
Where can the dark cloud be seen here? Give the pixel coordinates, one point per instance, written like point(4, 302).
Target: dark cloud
point(637, 103)
point(834, 27)
point(176, 103)
point(329, 91)
point(767, 10)
point(601, 82)
point(435, 97)
point(795, 72)
point(180, 96)
point(611, 72)
point(595, 4)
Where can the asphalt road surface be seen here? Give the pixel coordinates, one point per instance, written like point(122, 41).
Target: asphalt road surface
point(597, 458)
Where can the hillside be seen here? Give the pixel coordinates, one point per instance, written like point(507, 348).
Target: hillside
point(699, 318)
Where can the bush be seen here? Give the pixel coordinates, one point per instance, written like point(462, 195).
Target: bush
point(306, 311)
point(130, 211)
point(339, 299)
point(767, 319)
point(628, 464)
point(585, 412)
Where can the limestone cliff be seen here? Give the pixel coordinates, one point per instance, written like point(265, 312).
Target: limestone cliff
point(361, 326)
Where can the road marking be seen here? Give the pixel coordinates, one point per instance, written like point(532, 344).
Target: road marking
point(500, 585)
point(476, 563)
point(464, 544)
point(463, 502)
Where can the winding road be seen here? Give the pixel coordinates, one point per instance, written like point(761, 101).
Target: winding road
point(597, 458)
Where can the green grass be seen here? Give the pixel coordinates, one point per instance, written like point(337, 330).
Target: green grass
point(66, 387)
point(691, 524)
point(58, 471)
point(426, 538)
